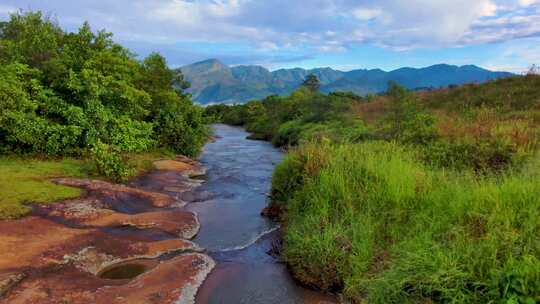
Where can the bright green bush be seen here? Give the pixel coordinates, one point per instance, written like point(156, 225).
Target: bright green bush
point(182, 128)
point(289, 133)
point(63, 93)
point(372, 220)
point(109, 162)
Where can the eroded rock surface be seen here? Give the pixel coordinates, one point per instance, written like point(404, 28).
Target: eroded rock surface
point(57, 254)
point(174, 281)
point(119, 193)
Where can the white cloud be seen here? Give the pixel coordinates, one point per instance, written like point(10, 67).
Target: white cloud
point(528, 2)
point(6, 10)
point(367, 13)
point(323, 25)
point(516, 56)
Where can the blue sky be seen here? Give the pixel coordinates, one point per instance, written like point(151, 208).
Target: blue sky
point(343, 34)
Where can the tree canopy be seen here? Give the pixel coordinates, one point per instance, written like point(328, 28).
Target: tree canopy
point(312, 83)
point(66, 92)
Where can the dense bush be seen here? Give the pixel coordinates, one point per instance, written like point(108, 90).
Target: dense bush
point(109, 162)
point(62, 93)
point(305, 115)
point(508, 94)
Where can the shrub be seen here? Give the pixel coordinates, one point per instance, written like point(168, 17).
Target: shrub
point(483, 156)
point(303, 162)
point(61, 93)
point(182, 128)
point(407, 122)
point(109, 162)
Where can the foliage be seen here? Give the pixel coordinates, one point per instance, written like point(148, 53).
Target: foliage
point(304, 115)
point(109, 162)
point(408, 197)
point(406, 121)
point(182, 128)
point(312, 83)
point(62, 93)
point(507, 94)
point(372, 220)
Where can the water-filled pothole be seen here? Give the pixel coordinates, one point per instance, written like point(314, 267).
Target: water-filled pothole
point(127, 202)
point(199, 177)
point(135, 233)
point(128, 270)
point(123, 272)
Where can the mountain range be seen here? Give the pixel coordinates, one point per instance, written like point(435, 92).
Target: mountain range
point(214, 82)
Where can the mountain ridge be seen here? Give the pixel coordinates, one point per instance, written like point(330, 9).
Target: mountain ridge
point(215, 82)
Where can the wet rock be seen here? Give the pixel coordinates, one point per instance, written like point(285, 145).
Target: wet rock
point(9, 280)
point(186, 166)
point(29, 242)
point(183, 224)
point(90, 212)
point(172, 165)
point(58, 254)
point(95, 260)
point(169, 182)
point(158, 200)
point(173, 281)
point(273, 211)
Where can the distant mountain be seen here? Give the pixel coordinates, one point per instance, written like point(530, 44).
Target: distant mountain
point(214, 82)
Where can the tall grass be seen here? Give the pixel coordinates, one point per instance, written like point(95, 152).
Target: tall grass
point(372, 220)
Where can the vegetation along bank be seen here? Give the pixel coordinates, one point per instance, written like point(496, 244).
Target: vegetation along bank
point(408, 197)
point(79, 112)
point(79, 104)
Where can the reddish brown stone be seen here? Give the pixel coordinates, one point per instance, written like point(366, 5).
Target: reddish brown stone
point(57, 255)
point(158, 200)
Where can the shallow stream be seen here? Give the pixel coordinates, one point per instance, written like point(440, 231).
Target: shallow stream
point(233, 231)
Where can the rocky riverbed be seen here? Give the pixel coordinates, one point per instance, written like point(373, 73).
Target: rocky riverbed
point(177, 234)
point(117, 244)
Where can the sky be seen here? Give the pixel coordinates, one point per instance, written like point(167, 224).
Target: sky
point(342, 34)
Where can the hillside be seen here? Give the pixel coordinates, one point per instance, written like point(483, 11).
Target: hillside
point(214, 82)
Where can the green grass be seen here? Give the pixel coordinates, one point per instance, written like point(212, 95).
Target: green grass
point(24, 181)
point(373, 221)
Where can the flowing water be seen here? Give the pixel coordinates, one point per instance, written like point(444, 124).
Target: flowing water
point(232, 229)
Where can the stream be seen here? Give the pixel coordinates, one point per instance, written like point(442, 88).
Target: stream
point(233, 231)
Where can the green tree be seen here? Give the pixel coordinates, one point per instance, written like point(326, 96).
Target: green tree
point(406, 120)
point(64, 93)
point(312, 83)
point(30, 38)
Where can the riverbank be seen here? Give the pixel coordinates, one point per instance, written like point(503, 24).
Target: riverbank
point(408, 196)
point(25, 181)
point(67, 250)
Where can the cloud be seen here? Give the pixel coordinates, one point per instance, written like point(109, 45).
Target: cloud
point(6, 10)
point(270, 26)
point(390, 23)
point(366, 13)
